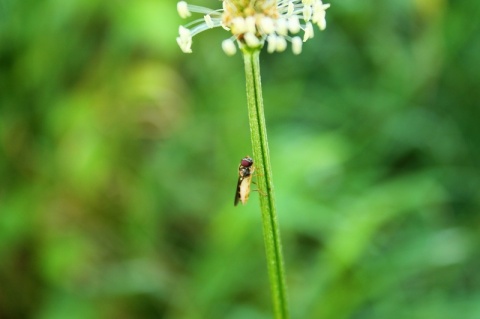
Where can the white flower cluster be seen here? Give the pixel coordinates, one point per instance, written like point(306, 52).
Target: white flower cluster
point(252, 22)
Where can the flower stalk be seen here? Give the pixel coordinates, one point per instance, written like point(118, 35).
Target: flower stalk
point(252, 25)
point(271, 232)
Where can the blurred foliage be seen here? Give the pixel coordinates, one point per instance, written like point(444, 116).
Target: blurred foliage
point(118, 158)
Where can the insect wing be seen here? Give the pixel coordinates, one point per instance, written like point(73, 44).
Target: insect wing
point(244, 189)
point(237, 193)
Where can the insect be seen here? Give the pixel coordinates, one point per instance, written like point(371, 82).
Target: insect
point(245, 171)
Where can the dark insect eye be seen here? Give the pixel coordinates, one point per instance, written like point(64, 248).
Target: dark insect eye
point(246, 162)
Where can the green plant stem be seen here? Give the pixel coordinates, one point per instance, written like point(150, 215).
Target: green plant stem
point(263, 171)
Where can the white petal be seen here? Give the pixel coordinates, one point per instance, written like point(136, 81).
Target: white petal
point(282, 28)
point(251, 40)
point(308, 32)
point(322, 24)
point(272, 43)
point(185, 45)
point(225, 27)
point(250, 25)
point(267, 25)
point(291, 8)
point(229, 47)
point(182, 8)
point(297, 45)
point(293, 24)
point(184, 33)
point(307, 13)
point(238, 25)
point(319, 12)
point(281, 44)
point(208, 21)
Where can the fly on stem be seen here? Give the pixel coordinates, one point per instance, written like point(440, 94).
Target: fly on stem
point(245, 172)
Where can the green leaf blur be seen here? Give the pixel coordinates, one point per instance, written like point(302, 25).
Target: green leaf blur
point(119, 157)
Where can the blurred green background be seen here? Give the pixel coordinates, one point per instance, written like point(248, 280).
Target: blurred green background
point(119, 157)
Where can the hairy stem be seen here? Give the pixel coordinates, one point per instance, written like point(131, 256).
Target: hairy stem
point(263, 170)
